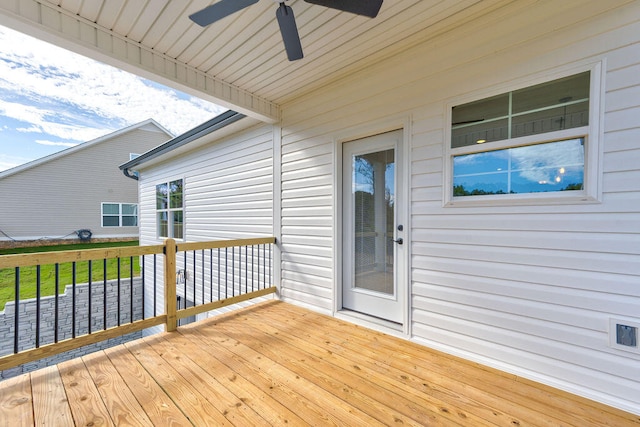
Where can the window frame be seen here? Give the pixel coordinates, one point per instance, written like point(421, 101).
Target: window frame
point(592, 134)
point(169, 211)
point(120, 214)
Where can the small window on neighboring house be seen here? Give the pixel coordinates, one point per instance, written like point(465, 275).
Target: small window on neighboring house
point(170, 210)
point(530, 143)
point(119, 215)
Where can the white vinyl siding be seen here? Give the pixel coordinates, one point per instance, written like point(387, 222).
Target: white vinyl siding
point(527, 289)
point(228, 192)
point(57, 196)
point(228, 189)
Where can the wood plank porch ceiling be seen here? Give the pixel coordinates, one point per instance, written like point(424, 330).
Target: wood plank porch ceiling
point(238, 62)
point(277, 364)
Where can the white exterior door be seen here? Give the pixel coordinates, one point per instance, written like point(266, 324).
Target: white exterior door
point(373, 279)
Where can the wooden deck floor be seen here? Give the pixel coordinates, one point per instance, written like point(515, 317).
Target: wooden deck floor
point(277, 364)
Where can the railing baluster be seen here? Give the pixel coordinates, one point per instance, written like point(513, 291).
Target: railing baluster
point(90, 284)
point(246, 268)
point(226, 272)
point(218, 250)
point(73, 299)
point(202, 262)
point(270, 269)
point(252, 265)
point(38, 306)
point(16, 314)
point(210, 275)
point(185, 274)
point(233, 272)
point(104, 294)
point(130, 289)
point(155, 285)
point(118, 296)
point(57, 303)
point(194, 279)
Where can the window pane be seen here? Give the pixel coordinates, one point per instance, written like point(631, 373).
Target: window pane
point(555, 166)
point(176, 194)
point(560, 91)
point(480, 133)
point(110, 209)
point(163, 224)
point(129, 209)
point(110, 221)
point(481, 163)
point(177, 222)
point(551, 120)
point(129, 221)
point(484, 120)
point(162, 194)
point(548, 107)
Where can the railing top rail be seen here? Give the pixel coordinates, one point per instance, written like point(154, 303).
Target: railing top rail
point(44, 258)
point(192, 246)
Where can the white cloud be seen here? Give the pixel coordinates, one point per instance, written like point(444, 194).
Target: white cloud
point(55, 75)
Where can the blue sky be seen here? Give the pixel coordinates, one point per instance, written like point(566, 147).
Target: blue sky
point(52, 99)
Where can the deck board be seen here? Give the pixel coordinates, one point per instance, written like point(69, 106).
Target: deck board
point(278, 364)
point(16, 401)
point(50, 405)
point(118, 398)
point(86, 404)
point(155, 402)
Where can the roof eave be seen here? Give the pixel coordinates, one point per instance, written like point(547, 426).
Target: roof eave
point(218, 122)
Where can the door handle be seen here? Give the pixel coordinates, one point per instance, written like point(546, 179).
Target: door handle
point(398, 241)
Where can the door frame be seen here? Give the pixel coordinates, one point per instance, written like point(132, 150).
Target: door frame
point(402, 123)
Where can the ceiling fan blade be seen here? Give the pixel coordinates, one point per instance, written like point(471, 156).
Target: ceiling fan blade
point(289, 31)
point(219, 10)
point(368, 8)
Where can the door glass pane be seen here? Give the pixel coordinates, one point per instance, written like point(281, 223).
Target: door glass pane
point(373, 200)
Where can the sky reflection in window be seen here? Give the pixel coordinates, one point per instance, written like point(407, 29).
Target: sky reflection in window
point(554, 166)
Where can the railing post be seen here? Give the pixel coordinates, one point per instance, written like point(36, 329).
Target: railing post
point(170, 250)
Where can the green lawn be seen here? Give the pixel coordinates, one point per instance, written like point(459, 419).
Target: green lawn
point(28, 287)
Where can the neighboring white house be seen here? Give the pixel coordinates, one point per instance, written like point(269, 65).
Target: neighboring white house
point(77, 189)
point(478, 193)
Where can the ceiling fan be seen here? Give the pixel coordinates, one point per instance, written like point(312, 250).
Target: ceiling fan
point(284, 14)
